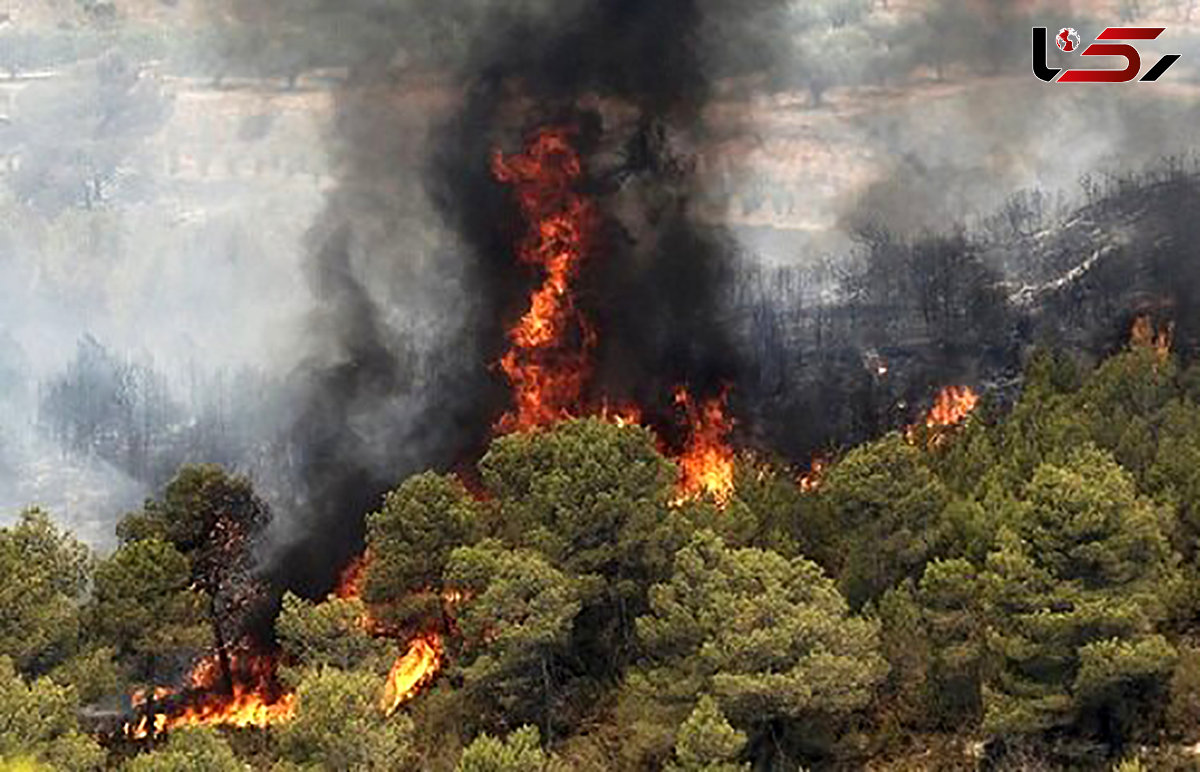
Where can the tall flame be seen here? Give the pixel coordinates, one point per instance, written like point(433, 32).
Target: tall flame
point(412, 671)
point(706, 465)
point(547, 362)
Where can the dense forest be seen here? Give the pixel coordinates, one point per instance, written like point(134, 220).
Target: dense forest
point(1017, 591)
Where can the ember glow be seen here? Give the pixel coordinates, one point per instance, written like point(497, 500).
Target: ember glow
point(412, 671)
point(706, 464)
point(350, 581)
point(254, 699)
point(547, 362)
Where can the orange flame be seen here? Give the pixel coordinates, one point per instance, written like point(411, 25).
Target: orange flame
point(706, 464)
point(952, 406)
point(545, 364)
point(810, 481)
point(350, 581)
point(255, 699)
point(412, 671)
point(621, 415)
point(1144, 335)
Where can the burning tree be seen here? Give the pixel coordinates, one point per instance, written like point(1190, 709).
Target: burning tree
point(549, 359)
point(214, 520)
point(706, 464)
point(547, 363)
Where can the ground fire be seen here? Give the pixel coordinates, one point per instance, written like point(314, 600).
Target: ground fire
point(251, 695)
point(252, 698)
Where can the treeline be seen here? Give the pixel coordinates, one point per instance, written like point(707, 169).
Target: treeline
point(125, 413)
point(1021, 591)
point(839, 349)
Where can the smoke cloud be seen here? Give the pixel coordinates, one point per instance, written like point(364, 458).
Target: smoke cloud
point(414, 329)
point(810, 203)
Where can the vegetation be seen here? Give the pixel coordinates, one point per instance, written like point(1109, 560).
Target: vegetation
point(1026, 583)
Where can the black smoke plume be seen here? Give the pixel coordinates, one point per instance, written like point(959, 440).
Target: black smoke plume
point(386, 396)
point(402, 376)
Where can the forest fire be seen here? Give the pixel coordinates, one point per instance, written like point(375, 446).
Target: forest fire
point(811, 480)
point(547, 361)
point(665, 384)
point(951, 407)
point(706, 464)
point(412, 671)
point(255, 698)
point(1144, 334)
point(415, 668)
point(350, 580)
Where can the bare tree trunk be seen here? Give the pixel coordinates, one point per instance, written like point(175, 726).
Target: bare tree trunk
point(545, 702)
point(222, 651)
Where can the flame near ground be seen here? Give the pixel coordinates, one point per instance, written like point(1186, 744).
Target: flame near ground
point(253, 698)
